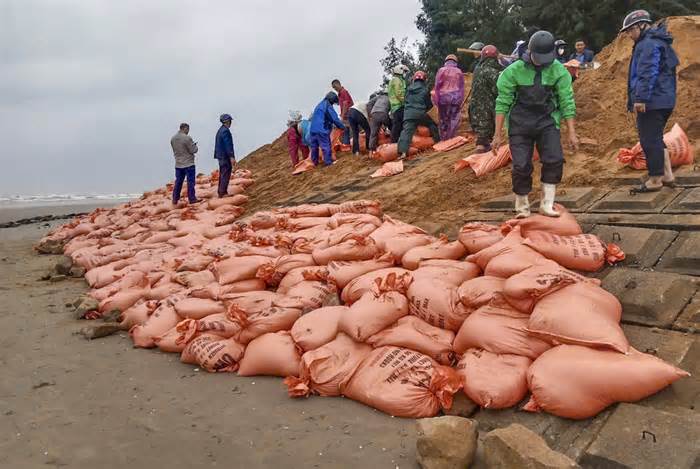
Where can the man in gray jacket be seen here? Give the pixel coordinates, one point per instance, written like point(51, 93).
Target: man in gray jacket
point(378, 110)
point(184, 149)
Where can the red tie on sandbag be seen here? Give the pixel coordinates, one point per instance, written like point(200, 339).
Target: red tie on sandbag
point(580, 252)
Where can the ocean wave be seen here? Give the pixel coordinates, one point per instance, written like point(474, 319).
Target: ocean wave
point(64, 198)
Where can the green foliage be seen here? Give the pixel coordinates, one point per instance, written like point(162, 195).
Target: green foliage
point(397, 53)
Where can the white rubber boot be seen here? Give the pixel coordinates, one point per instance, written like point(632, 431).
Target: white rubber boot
point(668, 177)
point(522, 206)
point(549, 191)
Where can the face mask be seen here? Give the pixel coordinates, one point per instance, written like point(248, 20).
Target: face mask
point(561, 51)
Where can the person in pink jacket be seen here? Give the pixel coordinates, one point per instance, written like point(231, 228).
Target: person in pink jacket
point(295, 141)
point(449, 96)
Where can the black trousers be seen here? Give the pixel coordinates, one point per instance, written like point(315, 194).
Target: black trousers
point(650, 126)
point(358, 120)
point(522, 144)
point(396, 125)
point(225, 167)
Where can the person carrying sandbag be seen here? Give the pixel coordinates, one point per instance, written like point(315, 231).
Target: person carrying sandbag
point(397, 96)
point(651, 93)
point(417, 105)
point(323, 119)
point(224, 152)
point(184, 149)
point(449, 96)
point(535, 93)
point(482, 106)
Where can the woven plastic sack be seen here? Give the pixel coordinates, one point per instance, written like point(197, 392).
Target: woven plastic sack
point(158, 323)
point(274, 319)
point(299, 275)
point(679, 149)
point(196, 308)
point(391, 228)
point(318, 327)
point(485, 163)
point(413, 333)
point(440, 249)
point(272, 354)
point(340, 273)
point(580, 252)
point(212, 353)
point(494, 381)
point(507, 257)
point(478, 236)
point(391, 168)
point(376, 310)
point(451, 144)
point(313, 295)
point(436, 303)
point(564, 225)
point(354, 290)
point(236, 269)
point(449, 271)
point(214, 291)
point(390, 152)
point(358, 248)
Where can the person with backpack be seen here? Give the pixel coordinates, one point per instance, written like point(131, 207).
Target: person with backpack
point(449, 96)
point(418, 103)
point(651, 93)
point(534, 94)
point(323, 119)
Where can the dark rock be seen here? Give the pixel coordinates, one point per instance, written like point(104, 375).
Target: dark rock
point(100, 330)
point(64, 265)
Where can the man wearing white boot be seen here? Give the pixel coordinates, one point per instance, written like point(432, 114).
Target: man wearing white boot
point(535, 94)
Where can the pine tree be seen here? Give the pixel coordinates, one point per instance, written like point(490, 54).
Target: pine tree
point(397, 53)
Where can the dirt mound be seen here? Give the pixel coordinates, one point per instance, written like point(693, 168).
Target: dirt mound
point(430, 190)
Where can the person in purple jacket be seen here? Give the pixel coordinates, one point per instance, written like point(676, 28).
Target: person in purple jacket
point(449, 96)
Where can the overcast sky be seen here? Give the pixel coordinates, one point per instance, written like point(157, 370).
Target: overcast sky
point(92, 90)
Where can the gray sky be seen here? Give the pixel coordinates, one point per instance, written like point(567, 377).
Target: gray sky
point(92, 90)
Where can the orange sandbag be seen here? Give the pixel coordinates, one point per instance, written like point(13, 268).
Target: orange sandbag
point(485, 163)
point(391, 228)
point(499, 328)
point(401, 243)
point(328, 368)
point(415, 334)
point(197, 308)
point(580, 252)
point(580, 314)
point(274, 272)
point(480, 291)
point(159, 322)
point(494, 381)
point(526, 288)
point(372, 207)
point(318, 327)
point(390, 152)
point(578, 382)
point(340, 219)
point(391, 168)
point(238, 199)
point(507, 257)
point(451, 144)
point(193, 279)
point(313, 295)
point(358, 248)
point(440, 249)
point(123, 300)
point(677, 143)
point(169, 342)
point(137, 314)
point(309, 210)
point(478, 236)
point(422, 143)
point(216, 324)
point(340, 273)
point(253, 302)
point(213, 353)
point(299, 275)
point(303, 166)
point(564, 225)
point(454, 273)
point(214, 291)
point(423, 131)
point(195, 263)
point(354, 290)
point(271, 354)
point(403, 383)
point(376, 310)
point(436, 303)
point(236, 269)
point(274, 319)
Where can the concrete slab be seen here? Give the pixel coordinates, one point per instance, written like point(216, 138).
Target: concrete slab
point(684, 255)
point(671, 346)
point(650, 298)
point(639, 437)
point(677, 222)
point(642, 246)
point(687, 202)
point(576, 199)
point(685, 177)
point(570, 437)
point(689, 320)
point(622, 201)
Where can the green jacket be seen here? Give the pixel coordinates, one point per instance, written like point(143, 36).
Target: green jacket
point(555, 79)
point(418, 101)
point(397, 92)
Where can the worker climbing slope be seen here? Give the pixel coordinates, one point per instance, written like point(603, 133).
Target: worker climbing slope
point(322, 121)
point(449, 96)
point(482, 106)
point(417, 105)
point(397, 96)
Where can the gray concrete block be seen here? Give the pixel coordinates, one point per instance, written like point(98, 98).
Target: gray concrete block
point(575, 199)
point(687, 202)
point(621, 200)
point(689, 320)
point(639, 437)
point(668, 221)
point(684, 254)
point(670, 346)
point(650, 298)
point(687, 176)
point(642, 246)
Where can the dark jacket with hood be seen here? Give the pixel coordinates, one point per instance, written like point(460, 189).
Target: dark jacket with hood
point(418, 101)
point(652, 73)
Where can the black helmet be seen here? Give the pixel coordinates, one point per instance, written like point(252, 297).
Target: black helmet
point(560, 42)
point(476, 46)
point(332, 97)
point(636, 17)
point(541, 47)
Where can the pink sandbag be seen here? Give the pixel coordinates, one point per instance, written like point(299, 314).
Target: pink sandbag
point(452, 272)
point(403, 383)
point(340, 273)
point(236, 269)
point(390, 152)
point(214, 354)
point(273, 273)
point(480, 291)
point(196, 308)
point(137, 314)
point(274, 319)
point(358, 248)
point(128, 281)
point(313, 295)
point(194, 279)
point(328, 368)
point(478, 236)
point(299, 275)
point(413, 333)
point(494, 381)
point(376, 310)
point(252, 302)
point(507, 257)
point(123, 300)
point(440, 249)
point(526, 288)
point(436, 303)
point(237, 199)
point(501, 329)
point(485, 163)
point(318, 327)
point(195, 263)
point(218, 324)
point(580, 314)
point(271, 354)
point(451, 144)
point(309, 210)
point(400, 244)
point(353, 291)
point(169, 342)
point(677, 143)
point(578, 382)
point(391, 168)
point(303, 166)
point(372, 207)
point(580, 252)
point(391, 228)
point(340, 219)
point(214, 291)
point(159, 322)
point(564, 225)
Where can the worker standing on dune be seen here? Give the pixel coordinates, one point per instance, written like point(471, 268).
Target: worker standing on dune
point(184, 149)
point(449, 96)
point(535, 93)
point(417, 105)
point(397, 96)
point(378, 109)
point(224, 152)
point(651, 93)
point(482, 106)
point(322, 121)
point(295, 142)
point(346, 102)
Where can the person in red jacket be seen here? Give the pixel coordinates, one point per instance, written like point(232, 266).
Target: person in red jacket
point(345, 101)
point(295, 141)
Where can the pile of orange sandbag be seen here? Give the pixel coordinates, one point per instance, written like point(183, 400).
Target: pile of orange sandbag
point(343, 301)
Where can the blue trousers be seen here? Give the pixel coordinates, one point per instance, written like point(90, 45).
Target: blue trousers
point(322, 141)
point(651, 125)
point(180, 174)
point(225, 167)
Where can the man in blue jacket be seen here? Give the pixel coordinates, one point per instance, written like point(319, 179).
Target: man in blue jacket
point(583, 54)
point(223, 151)
point(651, 93)
point(322, 121)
